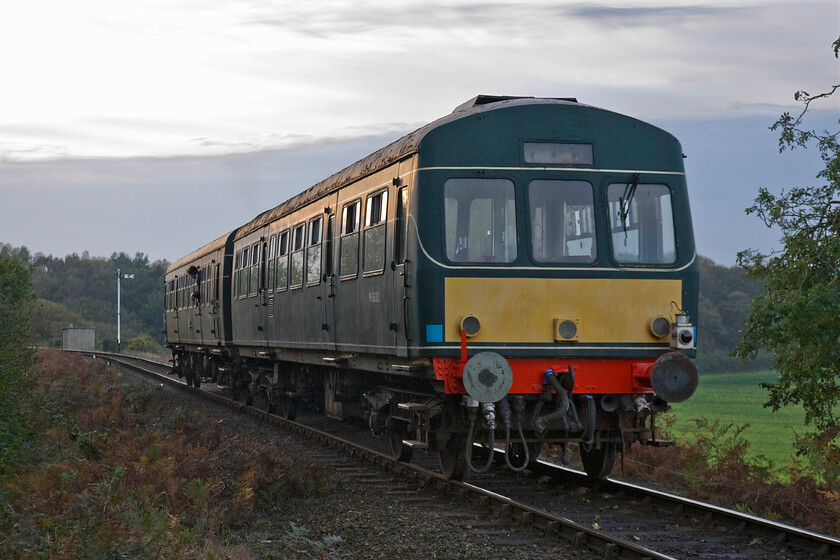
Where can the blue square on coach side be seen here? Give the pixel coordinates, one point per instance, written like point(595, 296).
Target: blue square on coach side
point(434, 333)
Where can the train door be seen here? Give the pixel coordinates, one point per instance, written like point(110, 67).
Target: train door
point(346, 284)
point(214, 303)
point(400, 279)
point(263, 295)
point(328, 285)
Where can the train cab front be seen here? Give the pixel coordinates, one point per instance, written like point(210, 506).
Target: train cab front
point(600, 405)
point(554, 281)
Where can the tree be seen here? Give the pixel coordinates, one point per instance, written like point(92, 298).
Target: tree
point(797, 317)
point(17, 304)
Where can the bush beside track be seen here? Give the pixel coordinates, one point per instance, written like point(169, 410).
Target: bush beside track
point(119, 472)
point(125, 468)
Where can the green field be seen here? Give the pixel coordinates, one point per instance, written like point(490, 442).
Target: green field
point(737, 398)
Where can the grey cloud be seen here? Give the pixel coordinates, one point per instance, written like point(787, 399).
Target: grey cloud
point(12, 151)
point(352, 19)
point(644, 15)
point(144, 204)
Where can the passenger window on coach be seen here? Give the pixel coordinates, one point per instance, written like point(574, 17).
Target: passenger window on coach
point(255, 269)
point(296, 265)
point(313, 252)
point(480, 219)
point(236, 260)
point(282, 263)
point(349, 244)
point(375, 231)
point(562, 221)
point(271, 255)
point(642, 224)
point(244, 273)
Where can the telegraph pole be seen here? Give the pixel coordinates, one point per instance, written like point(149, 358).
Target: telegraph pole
point(120, 277)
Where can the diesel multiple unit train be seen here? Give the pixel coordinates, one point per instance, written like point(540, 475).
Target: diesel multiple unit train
point(518, 273)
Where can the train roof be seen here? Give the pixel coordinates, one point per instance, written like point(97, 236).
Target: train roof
point(391, 153)
point(214, 245)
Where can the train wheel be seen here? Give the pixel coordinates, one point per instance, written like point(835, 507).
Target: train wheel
point(396, 435)
point(453, 460)
point(287, 407)
point(598, 463)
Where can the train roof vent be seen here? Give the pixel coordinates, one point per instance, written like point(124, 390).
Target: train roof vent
point(487, 99)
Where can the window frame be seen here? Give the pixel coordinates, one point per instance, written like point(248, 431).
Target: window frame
point(564, 154)
point(569, 260)
point(297, 250)
point(613, 231)
point(516, 215)
point(254, 267)
point(282, 257)
point(270, 265)
point(351, 236)
point(314, 246)
point(244, 271)
point(370, 228)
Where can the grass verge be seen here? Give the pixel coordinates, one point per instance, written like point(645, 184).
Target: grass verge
point(737, 398)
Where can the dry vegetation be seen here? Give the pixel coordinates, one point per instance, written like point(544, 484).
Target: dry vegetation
point(114, 474)
point(716, 469)
point(119, 470)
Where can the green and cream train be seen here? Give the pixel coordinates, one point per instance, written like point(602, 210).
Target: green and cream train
point(520, 272)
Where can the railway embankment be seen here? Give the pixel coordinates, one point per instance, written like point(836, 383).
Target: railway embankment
point(124, 467)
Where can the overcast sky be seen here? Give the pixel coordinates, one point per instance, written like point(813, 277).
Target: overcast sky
point(156, 126)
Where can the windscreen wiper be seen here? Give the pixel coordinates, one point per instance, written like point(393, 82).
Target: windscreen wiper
point(626, 199)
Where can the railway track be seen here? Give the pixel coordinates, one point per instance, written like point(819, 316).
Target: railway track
point(612, 519)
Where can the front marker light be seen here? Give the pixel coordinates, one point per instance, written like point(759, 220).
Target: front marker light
point(682, 333)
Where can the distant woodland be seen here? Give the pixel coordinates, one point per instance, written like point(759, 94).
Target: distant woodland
point(81, 290)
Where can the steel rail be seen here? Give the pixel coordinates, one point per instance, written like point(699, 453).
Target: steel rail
point(779, 534)
point(505, 509)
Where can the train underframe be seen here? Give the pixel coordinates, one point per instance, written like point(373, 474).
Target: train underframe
point(464, 432)
point(413, 412)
